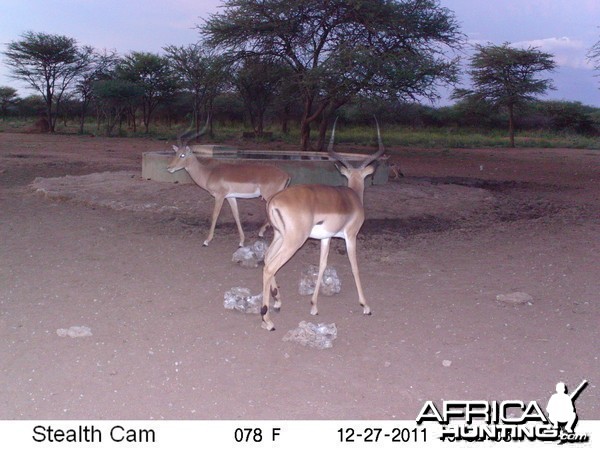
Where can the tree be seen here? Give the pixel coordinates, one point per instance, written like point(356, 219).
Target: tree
point(258, 82)
point(114, 97)
point(201, 72)
point(101, 67)
point(8, 98)
point(49, 64)
point(569, 116)
point(153, 74)
point(32, 106)
point(338, 48)
point(507, 77)
point(218, 79)
point(594, 56)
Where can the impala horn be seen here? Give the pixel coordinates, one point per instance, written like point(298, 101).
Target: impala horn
point(379, 152)
point(334, 154)
point(187, 136)
point(344, 160)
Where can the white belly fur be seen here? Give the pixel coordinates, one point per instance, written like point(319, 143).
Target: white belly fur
point(254, 194)
point(319, 232)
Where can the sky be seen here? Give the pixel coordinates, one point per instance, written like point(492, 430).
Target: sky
point(565, 28)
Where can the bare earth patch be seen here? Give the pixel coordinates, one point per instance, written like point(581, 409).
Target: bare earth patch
point(87, 244)
point(128, 191)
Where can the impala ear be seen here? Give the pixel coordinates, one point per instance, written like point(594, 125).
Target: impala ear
point(343, 170)
point(368, 170)
point(175, 148)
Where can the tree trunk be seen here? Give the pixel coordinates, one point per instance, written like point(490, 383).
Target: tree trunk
point(209, 112)
point(326, 116)
point(98, 117)
point(304, 135)
point(260, 120)
point(511, 125)
point(133, 119)
point(49, 118)
point(49, 98)
point(305, 123)
point(284, 120)
point(146, 117)
point(307, 117)
point(82, 120)
point(323, 132)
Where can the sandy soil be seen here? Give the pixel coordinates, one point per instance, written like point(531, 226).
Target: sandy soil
point(86, 242)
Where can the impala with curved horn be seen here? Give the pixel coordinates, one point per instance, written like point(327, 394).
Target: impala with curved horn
point(228, 181)
point(320, 212)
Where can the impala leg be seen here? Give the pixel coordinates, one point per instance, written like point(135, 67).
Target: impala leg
point(351, 249)
point(269, 281)
point(266, 196)
point(264, 227)
point(322, 264)
point(215, 215)
point(269, 255)
point(236, 215)
point(277, 255)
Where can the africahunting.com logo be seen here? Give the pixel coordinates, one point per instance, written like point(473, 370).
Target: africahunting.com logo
point(510, 420)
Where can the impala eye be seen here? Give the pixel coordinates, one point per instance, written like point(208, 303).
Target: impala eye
point(182, 156)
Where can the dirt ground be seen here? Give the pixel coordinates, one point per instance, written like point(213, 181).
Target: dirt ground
point(86, 242)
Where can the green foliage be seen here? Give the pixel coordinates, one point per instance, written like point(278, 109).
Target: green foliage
point(8, 99)
point(503, 75)
point(117, 91)
point(569, 116)
point(101, 67)
point(202, 73)
point(594, 56)
point(258, 82)
point(338, 49)
point(350, 58)
point(506, 77)
point(49, 64)
point(114, 98)
point(153, 74)
point(397, 137)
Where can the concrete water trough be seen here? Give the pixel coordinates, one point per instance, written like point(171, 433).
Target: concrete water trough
point(303, 167)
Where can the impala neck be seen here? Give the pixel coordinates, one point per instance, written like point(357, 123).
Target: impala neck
point(198, 171)
point(357, 184)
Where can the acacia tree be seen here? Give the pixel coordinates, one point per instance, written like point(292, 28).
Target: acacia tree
point(101, 67)
point(507, 77)
point(153, 74)
point(338, 48)
point(594, 56)
point(258, 81)
point(201, 72)
point(8, 98)
point(48, 63)
point(114, 97)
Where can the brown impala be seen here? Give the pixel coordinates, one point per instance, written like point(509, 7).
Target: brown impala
point(319, 212)
point(229, 182)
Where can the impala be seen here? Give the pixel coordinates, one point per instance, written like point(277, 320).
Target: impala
point(229, 182)
point(319, 212)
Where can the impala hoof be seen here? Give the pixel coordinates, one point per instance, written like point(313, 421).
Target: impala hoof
point(367, 311)
point(205, 244)
point(268, 326)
